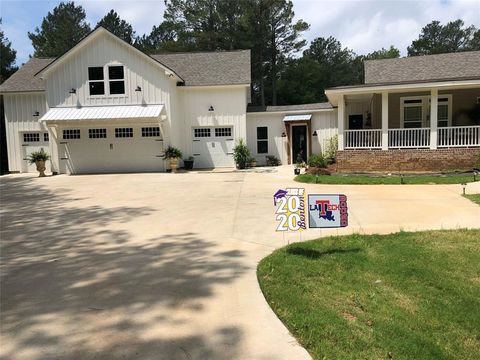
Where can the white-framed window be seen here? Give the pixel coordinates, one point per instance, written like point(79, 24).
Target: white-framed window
point(116, 79)
point(151, 131)
point(31, 137)
point(96, 83)
point(45, 137)
point(97, 133)
point(415, 111)
point(262, 140)
point(71, 134)
point(124, 132)
point(113, 75)
point(201, 132)
point(223, 132)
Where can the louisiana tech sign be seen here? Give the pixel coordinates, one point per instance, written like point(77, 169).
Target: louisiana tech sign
point(327, 211)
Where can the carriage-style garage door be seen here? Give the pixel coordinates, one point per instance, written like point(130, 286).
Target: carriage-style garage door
point(213, 147)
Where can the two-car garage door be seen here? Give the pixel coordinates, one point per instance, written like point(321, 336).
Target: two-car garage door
point(213, 147)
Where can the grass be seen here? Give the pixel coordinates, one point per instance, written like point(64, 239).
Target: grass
point(387, 180)
point(405, 295)
point(473, 197)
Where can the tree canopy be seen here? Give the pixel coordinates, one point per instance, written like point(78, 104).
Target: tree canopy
point(118, 26)
point(7, 57)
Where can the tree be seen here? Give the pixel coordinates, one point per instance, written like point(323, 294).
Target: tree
point(61, 29)
point(390, 53)
point(118, 26)
point(7, 57)
point(436, 38)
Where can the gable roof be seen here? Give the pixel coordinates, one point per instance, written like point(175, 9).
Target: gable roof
point(452, 66)
point(24, 79)
point(286, 108)
point(210, 68)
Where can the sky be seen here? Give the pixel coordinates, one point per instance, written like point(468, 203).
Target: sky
point(361, 25)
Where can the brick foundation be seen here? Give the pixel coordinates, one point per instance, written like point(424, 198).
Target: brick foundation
point(407, 160)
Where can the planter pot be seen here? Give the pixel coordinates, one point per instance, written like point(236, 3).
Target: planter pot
point(174, 165)
point(253, 164)
point(188, 164)
point(40, 168)
point(241, 166)
point(297, 171)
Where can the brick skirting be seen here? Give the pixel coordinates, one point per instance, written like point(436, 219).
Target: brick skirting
point(407, 160)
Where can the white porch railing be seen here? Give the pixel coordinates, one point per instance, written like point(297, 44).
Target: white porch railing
point(363, 139)
point(409, 138)
point(458, 136)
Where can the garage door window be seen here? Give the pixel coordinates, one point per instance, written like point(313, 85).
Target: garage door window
point(262, 140)
point(31, 137)
point(223, 132)
point(150, 131)
point(123, 132)
point(70, 134)
point(97, 133)
point(45, 137)
point(198, 133)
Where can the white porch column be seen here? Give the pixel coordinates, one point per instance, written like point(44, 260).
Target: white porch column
point(385, 120)
point(341, 122)
point(433, 118)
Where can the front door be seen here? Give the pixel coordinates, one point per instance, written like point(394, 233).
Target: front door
point(355, 122)
point(299, 143)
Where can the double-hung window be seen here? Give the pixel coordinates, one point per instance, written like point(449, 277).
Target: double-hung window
point(116, 80)
point(415, 111)
point(114, 76)
point(262, 140)
point(96, 85)
point(412, 113)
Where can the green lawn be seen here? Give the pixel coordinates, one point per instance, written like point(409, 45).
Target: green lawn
point(405, 295)
point(474, 197)
point(375, 180)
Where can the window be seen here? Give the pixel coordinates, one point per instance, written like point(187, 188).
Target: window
point(31, 137)
point(45, 137)
point(96, 84)
point(205, 132)
point(71, 134)
point(412, 116)
point(116, 80)
point(223, 132)
point(262, 140)
point(150, 131)
point(415, 111)
point(123, 132)
point(97, 133)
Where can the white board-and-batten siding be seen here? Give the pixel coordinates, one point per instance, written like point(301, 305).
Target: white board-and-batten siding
point(19, 111)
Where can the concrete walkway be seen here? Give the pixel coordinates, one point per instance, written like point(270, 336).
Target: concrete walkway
point(162, 266)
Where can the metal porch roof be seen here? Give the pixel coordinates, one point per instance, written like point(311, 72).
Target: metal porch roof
point(297, 117)
point(102, 112)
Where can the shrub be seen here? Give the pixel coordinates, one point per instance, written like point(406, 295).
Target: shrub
point(272, 160)
point(241, 154)
point(172, 152)
point(331, 150)
point(38, 156)
point(317, 161)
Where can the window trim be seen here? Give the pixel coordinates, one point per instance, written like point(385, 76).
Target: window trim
point(218, 128)
point(425, 105)
point(207, 129)
point(90, 81)
point(90, 133)
point(75, 138)
point(106, 82)
point(262, 140)
point(124, 128)
point(107, 67)
point(32, 135)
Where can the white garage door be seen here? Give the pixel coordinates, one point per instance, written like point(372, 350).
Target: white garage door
point(213, 147)
point(111, 149)
point(34, 141)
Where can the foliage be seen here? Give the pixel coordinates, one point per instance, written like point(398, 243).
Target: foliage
point(113, 23)
point(473, 197)
point(7, 57)
point(272, 160)
point(354, 297)
point(241, 154)
point(172, 152)
point(331, 149)
point(436, 38)
point(390, 53)
point(61, 29)
point(317, 161)
point(35, 156)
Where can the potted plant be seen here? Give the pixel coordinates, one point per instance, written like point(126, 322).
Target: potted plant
point(241, 154)
point(253, 162)
point(173, 154)
point(39, 158)
point(188, 163)
point(298, 167)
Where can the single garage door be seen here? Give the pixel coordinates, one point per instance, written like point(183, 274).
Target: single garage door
point(98, 149)
point(213, 147)
point(34, 141)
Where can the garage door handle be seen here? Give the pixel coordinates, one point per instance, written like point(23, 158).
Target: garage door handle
point(63, 142)
point(158, 155)
point(24, 144)
point(229, 139)
point(158, 139)
point(195, 140)
point(196, 154)
point(229, 153)
point(63, 158)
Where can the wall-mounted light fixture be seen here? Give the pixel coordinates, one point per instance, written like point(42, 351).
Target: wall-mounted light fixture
point(138, 88)
point(36, 113)
point(283, 134)
point(211, 108)
point(73, 91)
point(315, 133)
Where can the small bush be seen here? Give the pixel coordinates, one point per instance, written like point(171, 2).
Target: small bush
point(331, 150)
point(241, 154)
point(317, 161)
point(172, 152)
point(38, 156)
point(272, 160)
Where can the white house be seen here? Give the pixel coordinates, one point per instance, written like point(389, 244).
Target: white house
point(104, 106)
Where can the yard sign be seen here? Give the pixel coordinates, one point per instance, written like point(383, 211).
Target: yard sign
point(327, 211)
point(290, 209)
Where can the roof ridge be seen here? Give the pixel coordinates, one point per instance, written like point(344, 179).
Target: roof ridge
point(200, 52)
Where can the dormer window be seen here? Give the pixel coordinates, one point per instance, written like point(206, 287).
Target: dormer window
point(116, 80)
point(115, 76)
point(96, 84)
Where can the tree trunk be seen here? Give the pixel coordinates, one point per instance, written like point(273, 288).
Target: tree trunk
point(274, 69)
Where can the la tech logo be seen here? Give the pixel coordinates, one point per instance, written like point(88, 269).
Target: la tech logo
point(327, 211)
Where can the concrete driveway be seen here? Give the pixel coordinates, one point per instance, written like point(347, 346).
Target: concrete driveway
point(162, 266)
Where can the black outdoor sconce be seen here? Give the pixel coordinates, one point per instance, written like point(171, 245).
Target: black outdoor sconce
point(72, 91)
point(138, 88)
point(315, 133)
point(211, 108)
point(283, 134)
point(36, 113)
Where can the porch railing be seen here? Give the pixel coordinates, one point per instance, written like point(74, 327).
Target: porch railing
point(363, 139)
point(409, 138)
point(459, 136)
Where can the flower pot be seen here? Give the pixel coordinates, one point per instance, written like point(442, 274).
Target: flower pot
point(241, 166)
point(40, 168)
point(297, 171)
point(253, 164)
point(174, 164)
point(188, 164)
